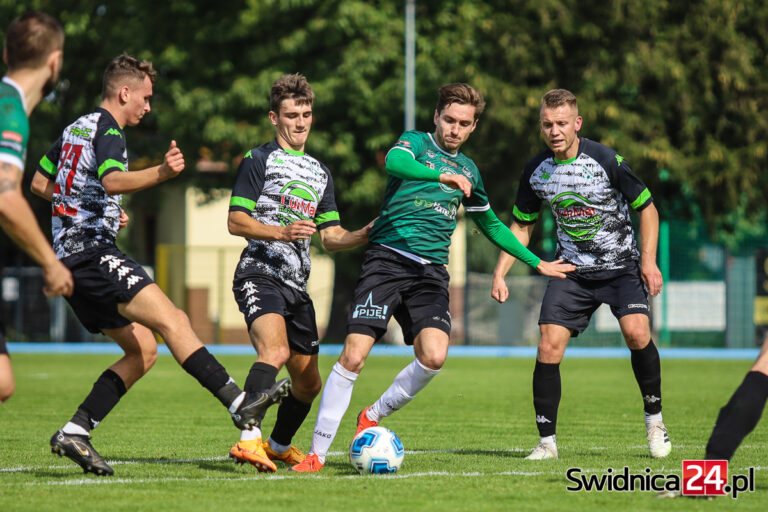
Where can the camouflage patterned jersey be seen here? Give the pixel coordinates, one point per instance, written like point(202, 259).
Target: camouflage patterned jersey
point(278, 187)
point(588, 195)
point(84, 215)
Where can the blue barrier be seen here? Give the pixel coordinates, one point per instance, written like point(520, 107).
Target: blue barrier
point(395, 350)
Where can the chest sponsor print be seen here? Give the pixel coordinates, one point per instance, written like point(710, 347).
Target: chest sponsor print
point(577, 216)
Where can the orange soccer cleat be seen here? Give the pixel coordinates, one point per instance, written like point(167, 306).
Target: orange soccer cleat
point(363, 422)
point(310, 464)
point(253, 453)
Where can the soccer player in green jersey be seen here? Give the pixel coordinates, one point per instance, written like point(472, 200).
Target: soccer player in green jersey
point(34, 49)
point(590, 189)
point(403, 271)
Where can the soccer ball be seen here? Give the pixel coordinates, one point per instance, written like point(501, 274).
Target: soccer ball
point(376, 450)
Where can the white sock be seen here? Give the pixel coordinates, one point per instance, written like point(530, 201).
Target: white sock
point(550, 440)
point(278, 448)
point(650, 419)
point(250, 435)
point(412, 379)
point(75, 429)
point(333, 404)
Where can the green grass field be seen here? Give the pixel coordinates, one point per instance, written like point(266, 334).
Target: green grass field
point(466, 436)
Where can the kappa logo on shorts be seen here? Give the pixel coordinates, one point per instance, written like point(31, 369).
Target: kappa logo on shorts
point(369, 310)
point(253, 309)
point(112, 261)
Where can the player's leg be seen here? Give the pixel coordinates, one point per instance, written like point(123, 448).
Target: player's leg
point(7, 382)
point(742, 412)
point(431, 349)
point(335, 399)
point(151, 308)
point(305, 386)
point(72, 440)
point(268, 336)
point(627, 296)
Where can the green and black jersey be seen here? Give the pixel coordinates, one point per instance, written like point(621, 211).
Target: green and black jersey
point(14, 125)
point(589, 196)
point(419, 216)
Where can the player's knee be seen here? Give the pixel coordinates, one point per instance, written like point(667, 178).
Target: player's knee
point(307, 388)
point(549, 352)
point(6, 389)
point(175, 322)
point(637, 339)
point(433, 361)
point(352, 361)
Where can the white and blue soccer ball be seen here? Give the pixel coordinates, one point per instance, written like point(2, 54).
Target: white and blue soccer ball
point(376, 450)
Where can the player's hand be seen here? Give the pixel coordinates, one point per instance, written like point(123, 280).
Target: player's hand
point(368, 227)
point(457, 182)
point(299, 230)
point(554, 268)
point(173, 163)
point(124, 219)
point(499, 290)
point(652, 278)
point(58, 280)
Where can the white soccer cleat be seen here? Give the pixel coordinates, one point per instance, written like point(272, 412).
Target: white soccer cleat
point(543, 451)
point(658, 440)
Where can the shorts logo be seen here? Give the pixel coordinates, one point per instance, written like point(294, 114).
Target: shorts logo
point(369, 310)
point(253, 309)
point(115, 263)
point(637, 306)
point(251, 290)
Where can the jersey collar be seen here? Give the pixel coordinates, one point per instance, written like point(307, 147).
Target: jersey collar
point(453, 155)
point(18, 89)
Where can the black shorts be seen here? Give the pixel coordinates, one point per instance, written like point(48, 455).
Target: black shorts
point(570, 302)
point(3, 348)
point(259, 295)
point(104, 278)
point(391, 284)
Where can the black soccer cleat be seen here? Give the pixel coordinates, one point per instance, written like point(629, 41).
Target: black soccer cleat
point(79, 450)
point(255, 405)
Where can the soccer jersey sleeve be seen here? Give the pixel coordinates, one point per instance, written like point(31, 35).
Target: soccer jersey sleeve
point(495, 231)
point(249, 183)
point(527, 203)
point(327, 213)
point(478, 200)
point(48, 165)
point(109, 149)
point(14, 132)
point(626, 182)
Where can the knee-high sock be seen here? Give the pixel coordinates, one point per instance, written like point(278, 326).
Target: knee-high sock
point(290, 416)
point(739, 416)
point(333, 404)
point(106, 392)
point(212, 376)
point(647, 367)
point(546, 396)
point(412, 379)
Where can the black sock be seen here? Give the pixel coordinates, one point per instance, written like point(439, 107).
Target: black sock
point(260, 378)
point(106, 392)
point(290, 416)
point(647, 367)
point(546, 396)
point(209, 372)
point(739, 416)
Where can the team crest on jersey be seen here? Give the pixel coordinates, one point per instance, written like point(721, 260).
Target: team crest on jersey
point(447, 170)
point(577, 216)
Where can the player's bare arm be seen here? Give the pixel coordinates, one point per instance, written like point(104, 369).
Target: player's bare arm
point(124, 219)
point(499, 290)
point(18, 220)
point(133, 181)
point(649, 239)
point(42, 186)
point(242, 224)
point(336, 238)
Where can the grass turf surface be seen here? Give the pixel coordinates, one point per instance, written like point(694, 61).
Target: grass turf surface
point(466, 435)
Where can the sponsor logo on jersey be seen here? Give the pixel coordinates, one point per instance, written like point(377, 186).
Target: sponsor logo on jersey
point(450, 211)
point(369, 310)
point(403, 143)
point(576, 216)
point(449, 162)
point(85, 132)
point(299, 198)
point(113, 131)
point(9, 135)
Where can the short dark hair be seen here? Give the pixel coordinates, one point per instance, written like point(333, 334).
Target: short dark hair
point(557, 98)
point(463, 94)
point(31, 38)
point(290, 87)
point(125, 68)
